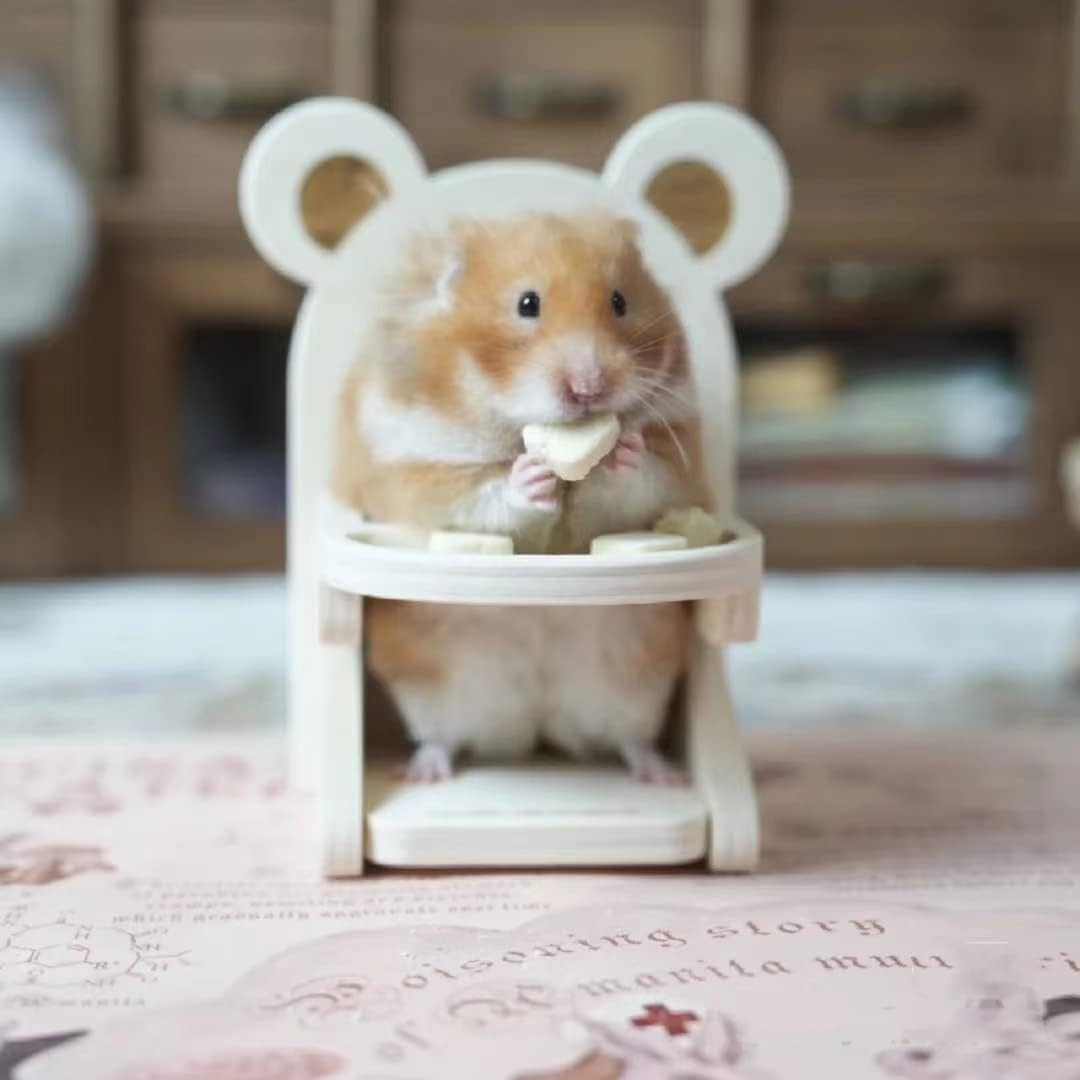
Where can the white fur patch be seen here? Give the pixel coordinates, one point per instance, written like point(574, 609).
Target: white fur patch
point(514, 674)
point(446, 283)
point(492, 508)
point(395, 432)
point(620, 501)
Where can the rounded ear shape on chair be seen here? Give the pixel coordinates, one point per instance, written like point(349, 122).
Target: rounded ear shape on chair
point(740, 152)
point(287, 151)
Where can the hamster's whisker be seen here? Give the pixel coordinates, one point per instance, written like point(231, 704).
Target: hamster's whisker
point(670, 430)
point(640, 347)
point(649, 384)
point(665, 313)
point(650, 393)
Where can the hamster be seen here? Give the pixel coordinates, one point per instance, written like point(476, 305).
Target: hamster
point(486, 327)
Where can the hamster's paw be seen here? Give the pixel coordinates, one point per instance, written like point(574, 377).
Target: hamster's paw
point(628, 452)
point(430, 763)
point(649, 766)
point(533, 485)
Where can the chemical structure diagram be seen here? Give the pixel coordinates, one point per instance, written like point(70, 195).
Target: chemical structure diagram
point(69, 954)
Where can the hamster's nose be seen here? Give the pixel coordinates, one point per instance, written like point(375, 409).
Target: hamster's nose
point(586, 391)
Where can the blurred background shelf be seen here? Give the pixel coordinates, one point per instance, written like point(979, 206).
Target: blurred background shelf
point(911, 371)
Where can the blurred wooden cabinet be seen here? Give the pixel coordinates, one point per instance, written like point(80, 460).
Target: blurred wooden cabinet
point(929, 96)
point(935, 146)
point(205, 339)
point(40, 409)
point(204, 77)
point(562, 80)
point(1009, 320)
point(62, 496)
point(74, 44)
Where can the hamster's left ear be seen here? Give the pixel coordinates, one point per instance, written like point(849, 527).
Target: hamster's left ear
point(313, 171)
point(743, 156)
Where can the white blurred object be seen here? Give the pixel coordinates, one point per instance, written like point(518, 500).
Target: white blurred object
point(45, 217)
point(1070, 480)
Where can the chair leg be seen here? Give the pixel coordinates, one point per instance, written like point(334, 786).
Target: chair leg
point(718, 763)
point(305, 663)
point(340, 700)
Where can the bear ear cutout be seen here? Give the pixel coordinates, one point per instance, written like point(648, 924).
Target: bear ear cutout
point(716, 175)
point(313, 172)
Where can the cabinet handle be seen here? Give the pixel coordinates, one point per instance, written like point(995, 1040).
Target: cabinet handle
point(206, 96)
point(896, 105)
point(540, 98)
point(866, 282)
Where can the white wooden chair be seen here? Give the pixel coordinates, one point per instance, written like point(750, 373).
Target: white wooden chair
point(535, 813)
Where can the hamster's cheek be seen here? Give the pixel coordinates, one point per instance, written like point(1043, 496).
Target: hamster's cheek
point(523, 394)
point(531, 397)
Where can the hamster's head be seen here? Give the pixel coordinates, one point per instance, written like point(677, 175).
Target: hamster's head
point(539, 318)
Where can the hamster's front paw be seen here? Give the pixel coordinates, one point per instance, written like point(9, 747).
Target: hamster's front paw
point(628, 452)
point(533, 485)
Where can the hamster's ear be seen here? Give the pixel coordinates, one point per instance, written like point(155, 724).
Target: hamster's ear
point(751, 178)
point(426, 283)
point(313, 171)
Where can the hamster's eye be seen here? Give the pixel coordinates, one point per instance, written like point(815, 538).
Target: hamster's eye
point(618, 303)
point(529, 305)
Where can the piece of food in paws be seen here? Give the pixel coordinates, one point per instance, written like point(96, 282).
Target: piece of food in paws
point(574, 448)
point(467, 543)
point(698, 526)
point(390, 535)
point(636, 543)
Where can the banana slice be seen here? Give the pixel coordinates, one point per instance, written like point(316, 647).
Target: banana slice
point(636, 543)
point(466, 543)
point(573, 449)
point(698, 526)
point(382, 534)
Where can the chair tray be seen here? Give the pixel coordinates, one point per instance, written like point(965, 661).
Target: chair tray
point(719, 570)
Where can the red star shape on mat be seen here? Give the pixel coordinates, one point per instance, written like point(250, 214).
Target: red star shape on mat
point(674, 1023)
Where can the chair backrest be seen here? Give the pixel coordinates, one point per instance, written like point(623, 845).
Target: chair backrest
point(340, 280)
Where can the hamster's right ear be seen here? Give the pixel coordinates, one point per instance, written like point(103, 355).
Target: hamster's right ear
point(282, 166)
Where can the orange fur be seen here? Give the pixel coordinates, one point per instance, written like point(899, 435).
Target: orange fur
point(414, 493)
point(417, 355)
point(660, 647)
point(574, 262)
point(397, 633)
point(581, 261)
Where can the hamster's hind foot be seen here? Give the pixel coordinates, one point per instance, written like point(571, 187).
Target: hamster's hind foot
point(649, 766)
point(430, 763)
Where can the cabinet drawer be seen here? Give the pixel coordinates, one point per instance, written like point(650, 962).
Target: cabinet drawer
point(483, 78)
point(36, 35)
point(939, 94)
point(207, 75)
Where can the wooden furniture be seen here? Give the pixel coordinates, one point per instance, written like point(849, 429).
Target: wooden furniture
point(65, 514)
point(186, 306)
point(558, 814)
point(934, 144)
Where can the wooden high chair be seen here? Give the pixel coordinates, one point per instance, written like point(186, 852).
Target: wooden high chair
point(536, 813)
